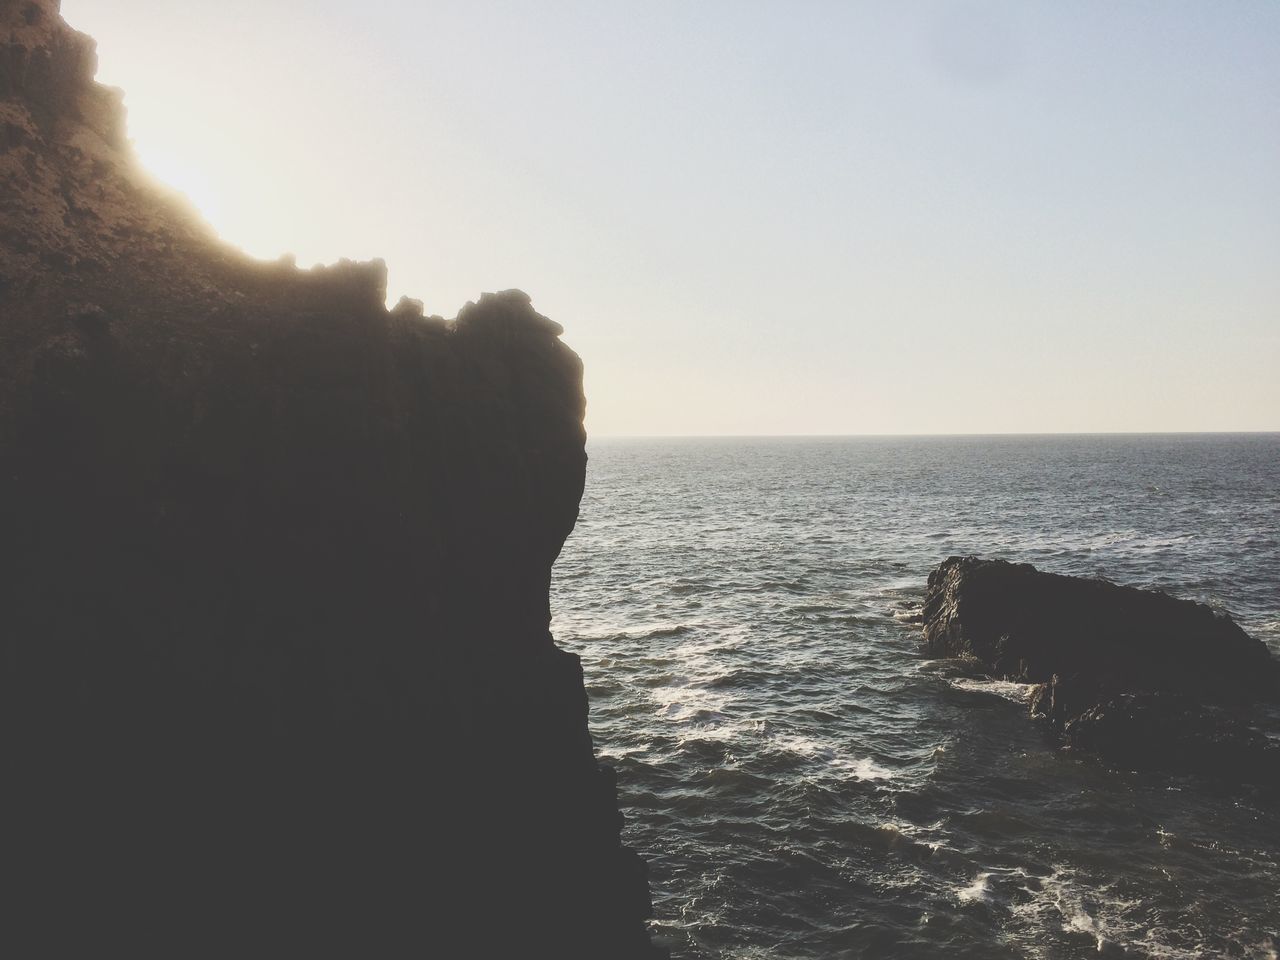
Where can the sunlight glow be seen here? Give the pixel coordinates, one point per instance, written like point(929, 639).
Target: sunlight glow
point(178, 173)
point(934, 217)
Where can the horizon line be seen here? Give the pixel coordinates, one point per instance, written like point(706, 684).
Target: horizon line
point(859, 436)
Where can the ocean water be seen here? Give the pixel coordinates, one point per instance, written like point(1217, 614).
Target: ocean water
point(806, 784)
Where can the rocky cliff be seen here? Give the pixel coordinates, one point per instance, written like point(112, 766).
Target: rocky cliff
point(274, 570)
point(1142, 678)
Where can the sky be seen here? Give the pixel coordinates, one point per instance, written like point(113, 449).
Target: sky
point(757, 218)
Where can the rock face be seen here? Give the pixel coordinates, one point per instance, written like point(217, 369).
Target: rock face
point(277, 675)
point(1140, 677)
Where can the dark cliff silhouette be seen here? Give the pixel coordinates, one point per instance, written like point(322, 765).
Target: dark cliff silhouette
point(277, 674)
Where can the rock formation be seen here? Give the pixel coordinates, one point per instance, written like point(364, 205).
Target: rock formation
point(277, 674)
point(1137, 676)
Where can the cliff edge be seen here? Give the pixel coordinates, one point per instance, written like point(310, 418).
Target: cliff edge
point(277, 676)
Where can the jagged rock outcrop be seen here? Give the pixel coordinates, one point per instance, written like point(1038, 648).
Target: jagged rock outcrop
point(1137, 676)
point(274, 570)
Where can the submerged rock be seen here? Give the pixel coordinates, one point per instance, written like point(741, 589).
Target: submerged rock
point(274, 571)
point(1137, 676)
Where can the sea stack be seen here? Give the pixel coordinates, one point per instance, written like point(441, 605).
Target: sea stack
point(278, 678)
point(1137, 676)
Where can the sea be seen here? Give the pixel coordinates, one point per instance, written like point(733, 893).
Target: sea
point(805, 783)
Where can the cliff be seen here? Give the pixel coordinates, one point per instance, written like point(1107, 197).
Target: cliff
point(274, 570)
point(1137, 676)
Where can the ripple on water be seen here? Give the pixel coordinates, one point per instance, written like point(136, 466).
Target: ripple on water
point(806, 786)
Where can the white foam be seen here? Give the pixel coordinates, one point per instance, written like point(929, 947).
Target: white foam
point(1008, 689)
point(865, 769)
point(616, 753)
point(860, 769)
point(977, 891)
point(722, 732)
point(689, 697)
point(1075, 919)
point(682, 703)
point(1060, 900)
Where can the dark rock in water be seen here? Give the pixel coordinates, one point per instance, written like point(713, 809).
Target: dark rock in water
point(1140, 677)
point(274, 570)
point(1171, 731)
point(1027, 625)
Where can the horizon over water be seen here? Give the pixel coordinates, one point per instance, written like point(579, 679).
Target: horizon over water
point(805, 784)
point(930, 436)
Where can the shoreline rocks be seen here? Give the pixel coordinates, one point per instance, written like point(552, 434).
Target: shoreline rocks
point(1137, 677)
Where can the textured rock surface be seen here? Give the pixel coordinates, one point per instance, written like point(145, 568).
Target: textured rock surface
point(1143, 678)
point(277, 673)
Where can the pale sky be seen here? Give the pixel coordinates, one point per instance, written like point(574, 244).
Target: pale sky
point(768, 218)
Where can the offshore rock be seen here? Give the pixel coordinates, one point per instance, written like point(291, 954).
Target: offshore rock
point(1170, 731)
point(274, 574)
point(1137, 676)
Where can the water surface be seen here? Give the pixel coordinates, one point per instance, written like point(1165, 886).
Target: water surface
point(805, 784)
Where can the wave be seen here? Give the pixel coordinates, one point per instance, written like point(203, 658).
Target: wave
point(793, 755)
point(860, 768)
point(687, 703)
point(980, 889)
point(1005, 689)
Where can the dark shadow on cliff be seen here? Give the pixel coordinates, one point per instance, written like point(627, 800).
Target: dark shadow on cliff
point(277, 673)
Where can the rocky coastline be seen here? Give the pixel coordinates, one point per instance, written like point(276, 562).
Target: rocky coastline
point(278, 675)
point(1137, 677)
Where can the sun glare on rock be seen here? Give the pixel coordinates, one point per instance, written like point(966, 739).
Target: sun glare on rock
point(177, 174)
